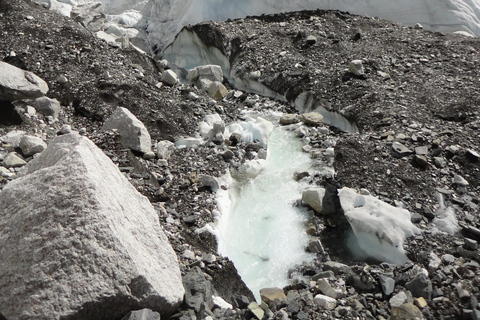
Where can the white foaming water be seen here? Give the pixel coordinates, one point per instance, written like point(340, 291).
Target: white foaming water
point(264, 233)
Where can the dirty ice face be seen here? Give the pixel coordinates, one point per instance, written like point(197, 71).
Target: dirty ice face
point(162, 20)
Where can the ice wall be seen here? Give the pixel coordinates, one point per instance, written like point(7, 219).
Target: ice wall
point(164, 19)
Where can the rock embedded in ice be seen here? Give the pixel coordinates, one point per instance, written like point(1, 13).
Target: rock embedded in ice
point(169, 77)
point(16, 84)
point(72, 205)
point(31, 145)
point(89, 15)
point(311, 118)
point(133, 132)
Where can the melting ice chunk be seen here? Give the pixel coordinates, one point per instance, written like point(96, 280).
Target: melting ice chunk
point(380, 229)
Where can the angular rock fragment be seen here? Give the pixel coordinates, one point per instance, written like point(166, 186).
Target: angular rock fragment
point(269, 295)
point(311, 118)
point(169, 77)
point(16, 84)
point(12, 160)
point(31, 145)
point(401, 150)
point(79, 241)
point(133, 132)
point(313, 198)
point(217, 90)
point(46, 106)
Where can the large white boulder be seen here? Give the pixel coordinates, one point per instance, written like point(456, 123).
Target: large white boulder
point(16, 84)
point(78, 241)
point(133, 131)
point(380, 228)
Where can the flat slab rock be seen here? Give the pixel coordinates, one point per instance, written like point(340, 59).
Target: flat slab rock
point(79, 242)
point(16, 83)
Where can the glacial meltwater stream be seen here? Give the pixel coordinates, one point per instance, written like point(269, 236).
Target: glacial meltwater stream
point(264, 232)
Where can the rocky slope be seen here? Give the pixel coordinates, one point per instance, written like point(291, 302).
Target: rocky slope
point(412, 94)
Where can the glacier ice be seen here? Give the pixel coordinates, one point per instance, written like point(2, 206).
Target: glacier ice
point(162, 20)
point(380, 229)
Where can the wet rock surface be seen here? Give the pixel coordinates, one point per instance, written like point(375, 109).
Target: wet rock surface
point(413, 94)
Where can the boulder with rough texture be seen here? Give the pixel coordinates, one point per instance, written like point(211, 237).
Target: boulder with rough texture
point(46, 106)
point(356, 67)
point(313, 198)
point(165, 149)
point(217, 90)
point(16, 84)
point(311, 118)
point(12, 160)
point(325, 302)
point(269, 295)
point(144, 314)
point(169, 77)
point(13, 138)
point(287, 119)
point(31, 145)
point(79, 242)
point(133, 132)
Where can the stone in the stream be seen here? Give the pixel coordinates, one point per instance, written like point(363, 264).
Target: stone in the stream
point(133, 132)
point(287, 119)
point(16, 84)
point(313, 198)
point(78, 240)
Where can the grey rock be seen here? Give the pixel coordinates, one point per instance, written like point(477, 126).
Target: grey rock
point(325, 302)
point(165, 149)
point(83, 214)
point(315, 246)
point(217, 90)
point(323, 275)
point(434, 262)
point(388, 285)
point(448, 258)
point(89, 15)
point(470, 244)
point(422, 151)
point(12, 160)
point(400, 149)
point(460, 181)
point(336, 267)
point(13, 138)
point(198, 290)
point(313, 198)
point(255, 309)
point(16, 84)
point(440, 162)
point(398, 299)
point(46, 106)
point(208, 72)
point(133, 132)
point(420, 286)
point(31, 145)
point(169, 77)
point(406, 311)
point(65, 129)
point(299, 175)
point(287, 119)
point(356, 67)
point(144, 314)
point(209, 181)
point(311, 118)
point(327, 290)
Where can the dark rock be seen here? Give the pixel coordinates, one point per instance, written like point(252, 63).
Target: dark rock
point(420, 286)
point(198, 290)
